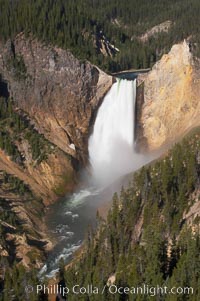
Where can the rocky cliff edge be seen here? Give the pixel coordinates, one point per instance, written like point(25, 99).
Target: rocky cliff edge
point(171, 97)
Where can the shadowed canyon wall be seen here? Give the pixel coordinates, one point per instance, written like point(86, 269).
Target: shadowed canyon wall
point(54, 98)
point(60, 96)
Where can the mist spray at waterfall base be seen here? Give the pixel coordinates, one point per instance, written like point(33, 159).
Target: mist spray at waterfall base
point(112, 145)
point(112, 155)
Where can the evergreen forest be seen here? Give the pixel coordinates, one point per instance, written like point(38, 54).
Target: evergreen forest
point(147, 236)
point(79, 26)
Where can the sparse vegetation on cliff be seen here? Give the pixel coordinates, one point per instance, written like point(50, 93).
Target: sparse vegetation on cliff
point(14, 129)
point(16, 65)
point(15, 185)
point(67, 180)
point(19, 211)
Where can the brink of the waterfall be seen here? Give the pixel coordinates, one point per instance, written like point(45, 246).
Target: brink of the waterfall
point(111, 145)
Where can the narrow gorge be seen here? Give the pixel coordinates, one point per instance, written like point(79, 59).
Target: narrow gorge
point(79, 118)
point(121, 142)
point(112, 155)
point(99, 150)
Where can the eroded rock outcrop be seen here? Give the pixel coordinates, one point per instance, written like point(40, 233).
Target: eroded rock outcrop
point(162, 27)
point(45, 179)
point(59, 93)
point(23, 233)
point(171, 97)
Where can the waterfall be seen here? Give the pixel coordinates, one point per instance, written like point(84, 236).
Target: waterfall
point(111, 145)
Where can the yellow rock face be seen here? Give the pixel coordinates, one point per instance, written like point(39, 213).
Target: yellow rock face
point(171, 97)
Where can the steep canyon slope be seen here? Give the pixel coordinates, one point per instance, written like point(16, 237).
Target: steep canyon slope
point(54, 99)
point(59, 95)
point(171, 97)
point(48, 102)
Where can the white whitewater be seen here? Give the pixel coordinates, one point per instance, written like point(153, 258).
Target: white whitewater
point(111, 146)
point(112, 154)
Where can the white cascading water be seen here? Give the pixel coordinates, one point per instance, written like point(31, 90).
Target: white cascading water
point(111, 146)
point(112, 154)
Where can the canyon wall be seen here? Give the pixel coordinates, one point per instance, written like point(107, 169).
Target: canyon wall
point(59, 95)
point(48, 103)
point(59, 92)
point(170, 97)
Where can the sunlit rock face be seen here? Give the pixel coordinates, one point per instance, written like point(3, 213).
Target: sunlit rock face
point(171, 97)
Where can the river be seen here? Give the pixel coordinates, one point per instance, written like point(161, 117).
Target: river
point(112, 155)
point(67, 221)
